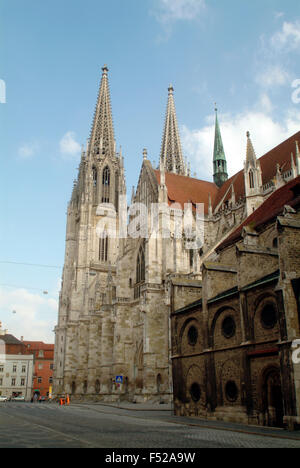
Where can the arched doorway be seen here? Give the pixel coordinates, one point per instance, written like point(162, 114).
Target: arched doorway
point(272, 398)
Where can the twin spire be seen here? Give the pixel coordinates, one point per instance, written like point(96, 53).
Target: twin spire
point(171, 152)
point(102, 141)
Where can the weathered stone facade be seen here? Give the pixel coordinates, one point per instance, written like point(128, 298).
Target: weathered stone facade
point(118, 292)
point(232, 349)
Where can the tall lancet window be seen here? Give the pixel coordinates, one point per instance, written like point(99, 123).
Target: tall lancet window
point(103, 247)
point(140, 266)
point(140, 271)
point(106, 185)
point(117, 191)
point(251, 179)
point(95, 183)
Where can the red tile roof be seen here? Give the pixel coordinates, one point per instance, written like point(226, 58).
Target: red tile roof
point(39, 345)
point(273, 206)
point(182, 189)
point(281, 155)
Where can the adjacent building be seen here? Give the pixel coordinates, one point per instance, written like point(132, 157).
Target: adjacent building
point(43, 367)
point(16, 367)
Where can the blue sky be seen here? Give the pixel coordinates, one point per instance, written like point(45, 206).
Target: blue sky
point(244, 55)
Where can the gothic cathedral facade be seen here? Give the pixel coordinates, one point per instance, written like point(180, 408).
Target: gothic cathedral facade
point(113, 336)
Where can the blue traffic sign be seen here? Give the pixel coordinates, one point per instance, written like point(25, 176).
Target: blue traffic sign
point(119, 379)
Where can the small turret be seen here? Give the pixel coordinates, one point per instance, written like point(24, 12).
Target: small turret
point(219, 161)
point(252, 178)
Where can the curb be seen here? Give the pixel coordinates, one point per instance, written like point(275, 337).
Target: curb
point(202, 424)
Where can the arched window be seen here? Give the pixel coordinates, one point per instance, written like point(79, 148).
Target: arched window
point(105, 185)
point(117, 190)
point(95, 182)
point(140, 266)
point(251, 179)
point(268, 316)
point(140, 272)
point(95, 176)
point(191, 258)
point(103, 247)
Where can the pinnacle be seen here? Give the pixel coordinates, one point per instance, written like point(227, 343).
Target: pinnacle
point(171, 152)
point(102, 133)
point(250, 152)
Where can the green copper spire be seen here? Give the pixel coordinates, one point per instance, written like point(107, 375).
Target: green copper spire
point(220, 164)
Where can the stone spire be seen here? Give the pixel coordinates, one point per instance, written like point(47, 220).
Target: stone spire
point(250, 153)
point(252, 178)
point(219, 161)
point(102, 142)
point(171, 152)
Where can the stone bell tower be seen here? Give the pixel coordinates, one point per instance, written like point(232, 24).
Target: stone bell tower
point(91, 253)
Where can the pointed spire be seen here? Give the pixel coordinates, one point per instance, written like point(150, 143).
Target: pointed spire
point(250, 154)
point(102, 142)
point(219, 160)
point(171, 152)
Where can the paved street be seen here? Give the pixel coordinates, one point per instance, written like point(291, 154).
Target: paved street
point(101, 426)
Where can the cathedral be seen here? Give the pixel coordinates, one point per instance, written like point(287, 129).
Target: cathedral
point(134, 319)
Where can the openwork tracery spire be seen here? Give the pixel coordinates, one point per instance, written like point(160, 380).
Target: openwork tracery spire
point(171, 152)
point(102, 142)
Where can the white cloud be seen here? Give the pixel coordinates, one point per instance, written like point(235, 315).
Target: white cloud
point(174, 10)
point(272, 75)
point(168, 12)
point(28, 150)
point(265, 103)
point(288, 38)
point(266, 133)
point(69, 146)
point(35, 315)
point(279, 14)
